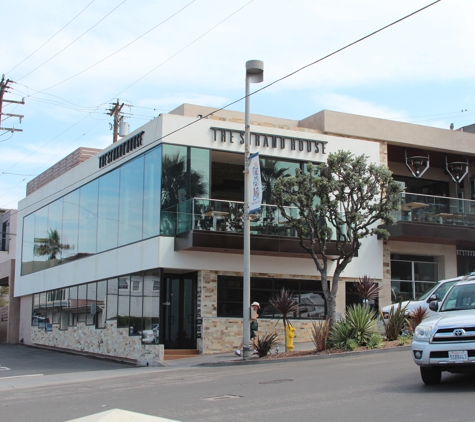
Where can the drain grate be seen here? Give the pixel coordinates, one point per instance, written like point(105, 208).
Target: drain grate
point(228, 396)
point(276, 381)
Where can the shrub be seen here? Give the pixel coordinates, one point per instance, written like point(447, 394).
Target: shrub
point(375, 341)
point(395, 323)
point(416, 317)
point(403, 340)
point(351, 344)
point(340, 333)
point(320, 332)
point(364, 322)
point(265, 343)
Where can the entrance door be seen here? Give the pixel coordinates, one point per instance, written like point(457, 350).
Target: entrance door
point(179, 311)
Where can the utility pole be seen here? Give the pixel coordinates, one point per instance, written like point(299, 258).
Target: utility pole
point(4, 88)
point(115, 111)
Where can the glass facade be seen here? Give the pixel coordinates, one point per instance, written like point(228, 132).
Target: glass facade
point(118, 208)
point(133, 301)
point(308, 293)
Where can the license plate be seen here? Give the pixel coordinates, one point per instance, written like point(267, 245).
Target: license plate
point(458, 356)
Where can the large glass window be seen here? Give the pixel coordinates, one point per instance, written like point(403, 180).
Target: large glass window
point(131, 201)
point(42, 242)
point(411, 276)
point(116, 209)
point(28, 244)
point(152, 193)
point(108, 211)
point(70, 224)
point(88, 219)
point(133, 301)
point(308, 293)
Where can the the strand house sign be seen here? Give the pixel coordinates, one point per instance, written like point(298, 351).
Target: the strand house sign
point(265, 140)
point(120, 150)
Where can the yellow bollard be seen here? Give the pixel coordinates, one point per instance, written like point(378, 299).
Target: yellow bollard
point(290, 334)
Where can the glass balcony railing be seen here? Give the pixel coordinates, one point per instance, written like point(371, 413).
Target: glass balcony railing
point(436, 210)
point(223, 216)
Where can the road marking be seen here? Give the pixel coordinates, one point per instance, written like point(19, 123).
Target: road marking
point(21, 376)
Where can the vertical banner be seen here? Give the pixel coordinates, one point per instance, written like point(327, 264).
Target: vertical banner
point(256, 187)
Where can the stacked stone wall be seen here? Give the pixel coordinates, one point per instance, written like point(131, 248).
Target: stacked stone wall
point(110, 341)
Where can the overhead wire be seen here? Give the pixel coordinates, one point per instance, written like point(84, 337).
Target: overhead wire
point(49, 39)
point(255, 92)
point(120, 49)
point(72, 42)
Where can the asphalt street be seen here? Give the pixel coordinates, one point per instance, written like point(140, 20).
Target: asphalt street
point(371, 386)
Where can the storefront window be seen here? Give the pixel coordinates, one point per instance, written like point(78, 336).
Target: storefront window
point(308, 293)
point(411, 276)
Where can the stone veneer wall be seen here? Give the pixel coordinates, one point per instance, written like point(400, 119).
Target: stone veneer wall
point(110, 341)
point(225, 334)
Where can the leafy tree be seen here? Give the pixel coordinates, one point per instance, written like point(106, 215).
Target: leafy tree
point(340, 201)
point(4, 296)
point(50, 246)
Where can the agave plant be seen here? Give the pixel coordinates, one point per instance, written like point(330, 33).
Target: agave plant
point(367, 288)
point(284, 303)
point(364, 321)
point(341, 332)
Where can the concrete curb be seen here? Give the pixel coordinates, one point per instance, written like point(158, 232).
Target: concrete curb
point(257, 361)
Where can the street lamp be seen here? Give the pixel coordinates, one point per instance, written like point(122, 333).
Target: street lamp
point(254, 74)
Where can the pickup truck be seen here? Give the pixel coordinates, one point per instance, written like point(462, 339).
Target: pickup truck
point(446, 340)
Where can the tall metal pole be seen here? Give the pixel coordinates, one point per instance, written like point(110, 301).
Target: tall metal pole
point(255, 74)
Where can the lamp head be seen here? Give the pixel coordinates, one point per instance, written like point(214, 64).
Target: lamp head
point(255, 71)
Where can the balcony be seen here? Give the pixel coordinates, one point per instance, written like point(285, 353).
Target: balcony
point(425, 218)
point(217, 226)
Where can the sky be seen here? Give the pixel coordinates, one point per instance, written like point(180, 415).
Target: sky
point(71, 60)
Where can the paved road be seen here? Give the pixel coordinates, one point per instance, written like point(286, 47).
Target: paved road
point(383, 386)
point(19, 360)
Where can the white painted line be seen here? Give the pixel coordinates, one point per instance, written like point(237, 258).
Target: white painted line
point(21, 376)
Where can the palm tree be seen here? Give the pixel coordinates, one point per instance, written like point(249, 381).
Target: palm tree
point(269, 175)
point(50, 246)
point(175, 177)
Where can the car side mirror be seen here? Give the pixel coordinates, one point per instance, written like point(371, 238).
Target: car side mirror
point(434, 305)
point(433, 297)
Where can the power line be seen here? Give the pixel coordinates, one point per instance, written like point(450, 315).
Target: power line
point(49, 39)
point(184, 48)
point(120, 49)
point(72, 42)
point(251, 94)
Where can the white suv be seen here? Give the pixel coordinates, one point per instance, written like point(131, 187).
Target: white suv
point(436, 292)
point(446, 341)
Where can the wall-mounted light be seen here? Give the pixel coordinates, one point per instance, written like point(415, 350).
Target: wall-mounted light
point(457, 169)
point(417, 164)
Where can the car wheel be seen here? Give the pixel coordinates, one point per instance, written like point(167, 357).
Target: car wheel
point(431, 376)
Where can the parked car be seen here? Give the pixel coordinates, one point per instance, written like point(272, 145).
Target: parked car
point(446, 341)
point(436, 292)
point(150, 335)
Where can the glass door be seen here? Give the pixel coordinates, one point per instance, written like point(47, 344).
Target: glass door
point(179, 311)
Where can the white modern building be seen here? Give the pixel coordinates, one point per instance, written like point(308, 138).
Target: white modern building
point(138, 250)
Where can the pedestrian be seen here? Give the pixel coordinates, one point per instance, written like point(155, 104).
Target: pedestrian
point(254, 327)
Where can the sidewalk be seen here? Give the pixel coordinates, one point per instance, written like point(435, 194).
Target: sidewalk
point(230, 357)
